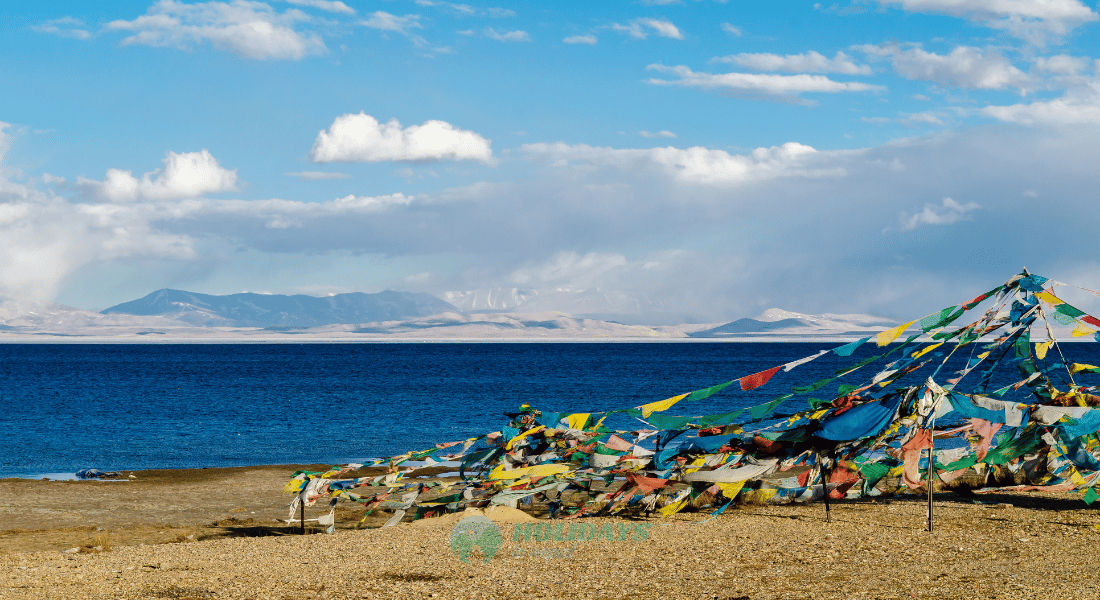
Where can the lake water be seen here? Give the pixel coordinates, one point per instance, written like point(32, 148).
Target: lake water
point(66, 407)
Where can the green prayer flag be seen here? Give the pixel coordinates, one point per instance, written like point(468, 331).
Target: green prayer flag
point(1091, 496)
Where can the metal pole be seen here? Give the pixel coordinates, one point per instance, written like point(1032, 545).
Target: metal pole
point(824, 488)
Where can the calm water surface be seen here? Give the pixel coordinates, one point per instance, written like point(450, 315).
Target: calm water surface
point(66, 407)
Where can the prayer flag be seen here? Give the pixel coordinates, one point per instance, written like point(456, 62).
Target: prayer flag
point(848, 349)
point(1041, 349)
point(890, 335)
point(751, 382)
point(660, 405)
point(1049, 298)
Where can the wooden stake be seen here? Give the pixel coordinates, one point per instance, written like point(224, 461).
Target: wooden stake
point(824, 488)
point(302, 513)
point(931, 484)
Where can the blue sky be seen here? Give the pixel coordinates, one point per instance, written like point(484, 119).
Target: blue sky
point(711, 159)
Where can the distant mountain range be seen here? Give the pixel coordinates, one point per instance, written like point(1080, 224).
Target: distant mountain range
point(275, 310)
point(776, 322)
point(176, 314)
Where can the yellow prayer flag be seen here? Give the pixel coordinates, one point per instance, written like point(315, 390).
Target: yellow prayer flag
point(730, 490)
point(926, 350)
point(578, 420)
point(674, 508)
point(1076, 368)
point(1049, 298)
point(1080, 330)
point(533, 472)
point(660, 405)
point(512, 441)
point(1041, 349)
point(885, 337)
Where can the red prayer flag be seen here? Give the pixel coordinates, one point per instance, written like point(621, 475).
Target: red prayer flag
point(1091, 320)
point(975, 301)
point(751, 382)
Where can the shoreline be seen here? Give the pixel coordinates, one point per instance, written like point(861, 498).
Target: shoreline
point(213, 533)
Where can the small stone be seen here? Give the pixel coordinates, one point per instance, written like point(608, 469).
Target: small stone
point(71, 551)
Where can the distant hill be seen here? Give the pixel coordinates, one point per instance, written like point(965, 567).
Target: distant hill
point(274, 310)
point(779, 322)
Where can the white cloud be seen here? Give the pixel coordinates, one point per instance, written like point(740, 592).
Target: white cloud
point(465, 10)
point(1033, 20)
point(569, 268)
point(923, 117)
point(643, 28)
point(1078, 105)
point(332, 6)
point(659, 134)
point(964, 67)
point(911, 119)
point(807, 62)
point(386, 22)
point(695, 165)
point(44, 239)
point(361, 138)
point(248, 29)
point(318, 175)
point(506, 36)
point(783, 88)
point(1062, 64)
point(587, 38)
point(732, 29)
point(947, 212)
point(5, 143)
point(68, 27)
point(185, 175)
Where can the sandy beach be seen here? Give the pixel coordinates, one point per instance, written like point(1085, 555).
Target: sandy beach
point(213, 533)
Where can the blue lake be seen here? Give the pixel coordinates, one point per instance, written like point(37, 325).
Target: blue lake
point(66, 407)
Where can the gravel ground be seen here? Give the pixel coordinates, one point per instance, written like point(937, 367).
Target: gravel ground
point(1010, 546)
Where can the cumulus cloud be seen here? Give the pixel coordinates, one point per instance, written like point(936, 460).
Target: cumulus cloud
point(44, 239)
point(318, 175)
point(1032, 20)
point(587, 38)
point(695, 165)
point(361, 138)
point(185, 175)
point(731, 29)
point(1077, 106)
point(332, 6)
point(758, 86)
point(68, 27)
point(387, 22)
point(947, 212)
point(714, 233)
point(506, 36)
point(642, 28)
point(807, 62)
point(248, 29)
point(465, 10)
point(964, 67)
point(282, 214)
